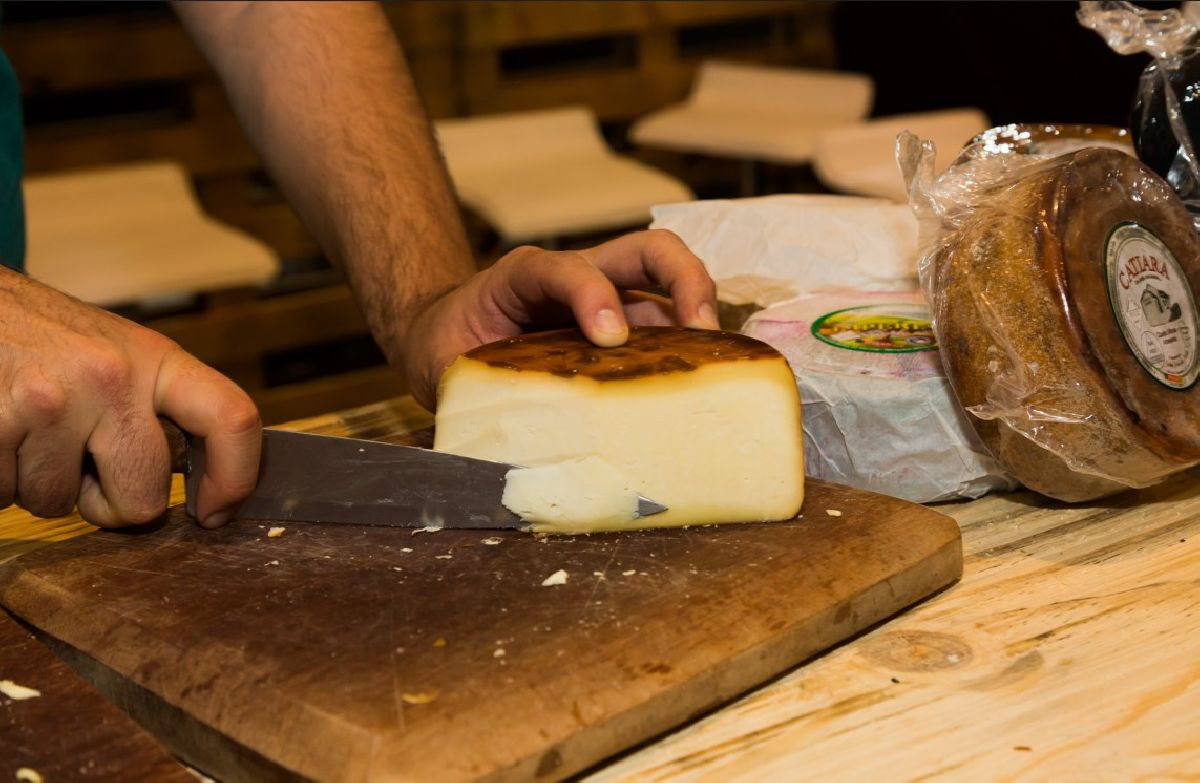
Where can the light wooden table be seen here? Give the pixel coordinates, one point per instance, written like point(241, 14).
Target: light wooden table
point(1070, 650)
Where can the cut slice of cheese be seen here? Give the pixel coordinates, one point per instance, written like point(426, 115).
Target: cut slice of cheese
point(706, 423)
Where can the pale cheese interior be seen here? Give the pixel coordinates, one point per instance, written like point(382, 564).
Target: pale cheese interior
point(722, 443)
point(577, 495)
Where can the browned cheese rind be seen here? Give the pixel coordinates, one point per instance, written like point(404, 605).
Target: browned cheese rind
point(650, 350)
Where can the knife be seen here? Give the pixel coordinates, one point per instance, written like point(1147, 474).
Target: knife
point(320, 478)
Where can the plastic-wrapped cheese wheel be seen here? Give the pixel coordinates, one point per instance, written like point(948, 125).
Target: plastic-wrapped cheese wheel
point(1064, 302)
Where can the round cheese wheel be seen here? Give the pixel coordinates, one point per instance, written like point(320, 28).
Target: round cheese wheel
point(1065, 308)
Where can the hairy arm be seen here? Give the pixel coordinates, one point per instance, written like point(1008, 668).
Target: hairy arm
point(324, 94)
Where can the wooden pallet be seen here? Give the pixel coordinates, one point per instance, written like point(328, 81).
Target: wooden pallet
point(624, 57)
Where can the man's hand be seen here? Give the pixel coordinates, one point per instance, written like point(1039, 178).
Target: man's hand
point(78, 380)
point(534, 287)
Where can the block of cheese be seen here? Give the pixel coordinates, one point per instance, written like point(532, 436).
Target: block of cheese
point(706, 423)
point(1065, 306)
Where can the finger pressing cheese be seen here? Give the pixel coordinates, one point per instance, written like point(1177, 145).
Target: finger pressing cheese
point(706, 423)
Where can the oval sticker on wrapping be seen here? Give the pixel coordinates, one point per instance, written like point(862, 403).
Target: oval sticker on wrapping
point(894, 327)
point(1153, 305)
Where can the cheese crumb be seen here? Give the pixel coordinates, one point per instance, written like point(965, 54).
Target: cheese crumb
point(499, 652)
point(27, 775)
point(833, 512)
point(419, 698)
point(273, 562)
point(406, 549)
point(17, 692)
point(442, 557)
point(559, 577)
point(427, 529)
point(630, 572)
point(275, 532)
point(491, 541)
point(439, 642)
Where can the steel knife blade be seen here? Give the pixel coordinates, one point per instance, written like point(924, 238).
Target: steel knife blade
point(321, 478)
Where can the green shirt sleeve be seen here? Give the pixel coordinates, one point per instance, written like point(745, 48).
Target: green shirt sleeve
point(12, 164)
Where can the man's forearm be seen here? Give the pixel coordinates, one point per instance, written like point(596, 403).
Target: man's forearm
point(324, 94)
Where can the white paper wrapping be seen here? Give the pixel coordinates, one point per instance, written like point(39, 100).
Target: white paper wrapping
point(771, 249)
point(878, 411)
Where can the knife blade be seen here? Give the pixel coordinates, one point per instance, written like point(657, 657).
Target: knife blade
point(321, 478)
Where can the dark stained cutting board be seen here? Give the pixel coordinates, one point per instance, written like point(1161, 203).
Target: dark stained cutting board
point(69, 732)
point(333, 653)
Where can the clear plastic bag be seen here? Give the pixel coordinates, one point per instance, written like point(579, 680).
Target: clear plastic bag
point(1165, 117)
point(1013, 257)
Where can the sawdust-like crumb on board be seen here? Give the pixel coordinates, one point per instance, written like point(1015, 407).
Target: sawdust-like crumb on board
point(493, 541)
point(833, 512)
point(559, 577)
point(499, 652)
point(18, 692)
point(275, 532)
point(428, 529)
point(439, 642)
point(442, 557)
point(28, 775)
point(406, 549)
point(272, 562)
point(629, 572)
point(424, 697)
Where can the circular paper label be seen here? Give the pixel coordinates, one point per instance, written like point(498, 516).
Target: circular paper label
point(894, 327)
point(1153, 304)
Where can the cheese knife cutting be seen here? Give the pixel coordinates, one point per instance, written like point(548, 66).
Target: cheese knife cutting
point(321, 478)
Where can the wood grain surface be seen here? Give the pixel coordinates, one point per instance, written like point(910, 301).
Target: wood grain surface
point(69, 732)
point(350, 653)
point(1082, 631)
point(1070, 650)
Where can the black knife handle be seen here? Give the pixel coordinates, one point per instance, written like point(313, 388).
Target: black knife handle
point(180, 444)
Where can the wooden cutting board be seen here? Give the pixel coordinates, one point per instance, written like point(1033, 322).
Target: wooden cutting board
point(353, 654)
point(69, 731)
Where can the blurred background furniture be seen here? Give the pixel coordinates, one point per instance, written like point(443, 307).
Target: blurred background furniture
point(539, 175)
point(756, 113)
point(860, 159)
point(134, 233)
